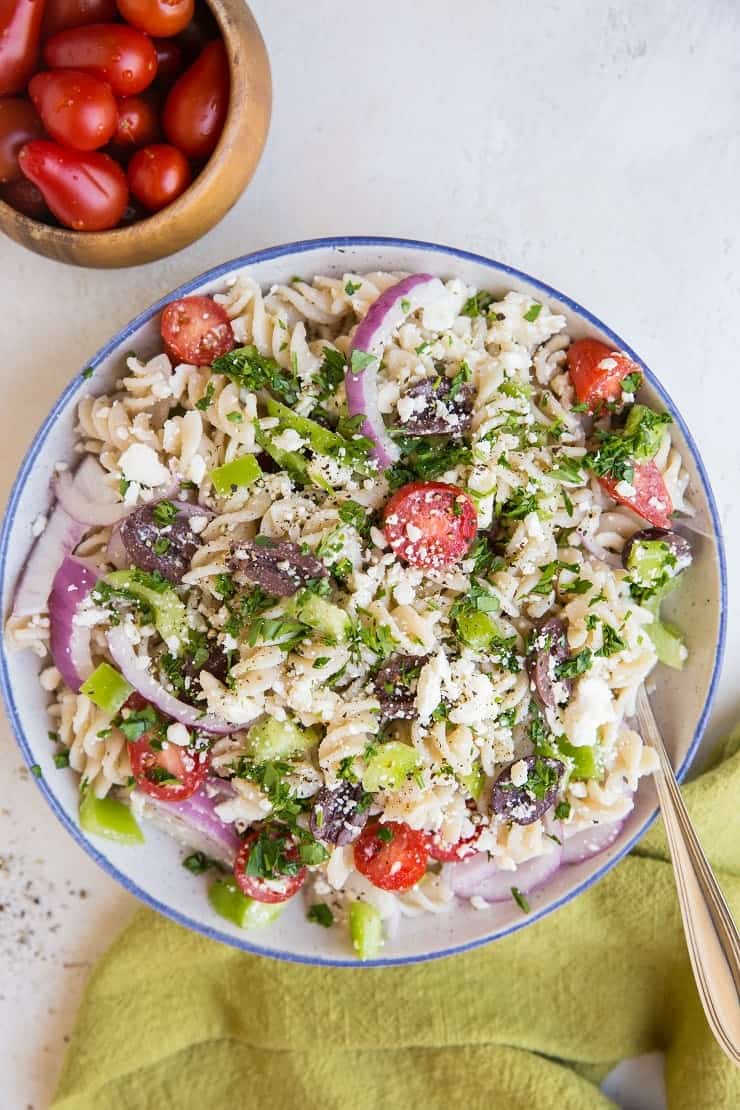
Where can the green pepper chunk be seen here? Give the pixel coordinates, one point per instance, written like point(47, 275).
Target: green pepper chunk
point(474, 781)
point(365, 929)
point(477, 629)
point(292, 461)
point(108, 689)
point(321, 440)
point(170, 615)
point(228, 901)
point(585, 762)
point(109, 818)
point(239, 472)
point(667, 639)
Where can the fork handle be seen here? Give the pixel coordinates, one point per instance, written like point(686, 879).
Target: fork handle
point(711, 936)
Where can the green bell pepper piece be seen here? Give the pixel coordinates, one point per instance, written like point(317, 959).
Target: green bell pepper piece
point(321, 440)
point(240, 472)
point(585, 762)
point(477, 629)
point(365, 929)
point(170, 615)
point(228, 901)
point(109, 818)
point(474, 781)
point(667, 639)
point(108, 689)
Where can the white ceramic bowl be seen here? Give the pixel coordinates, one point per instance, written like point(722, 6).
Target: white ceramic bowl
point(153, 871)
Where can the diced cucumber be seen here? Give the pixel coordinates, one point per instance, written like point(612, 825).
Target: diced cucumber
point(110, 818)
point(640, 416)
point(365, 929)
point(324, 616)
point(239, 472)
point(321, 440)
point(272, 739)
point(108, 689)
point(667, 639)
point(585, 759)
point(389, 768)
point(228, 901)
point(477, 629)
point(473, 782)
point(653, 568)
point(170, 615)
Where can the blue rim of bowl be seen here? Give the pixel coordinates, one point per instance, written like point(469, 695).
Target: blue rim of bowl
point(225, 269)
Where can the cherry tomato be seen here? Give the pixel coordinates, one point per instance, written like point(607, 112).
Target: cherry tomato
point(650, 499)
point(76, 108)
point(202, 28)
point(170, 60)
point(20, 29)
point(172, 774)
point(138, 124)
point(157, 17)
point(18, 125)
point(157, 175)
point(259, 888)
point(597, 372)
point(86, 190)
point(25, 198)
point(430, 524)
point(120, 55)
point(196, 330)
point(61, 14)
point(452, 853)
point(391, 855)
point(196, 107)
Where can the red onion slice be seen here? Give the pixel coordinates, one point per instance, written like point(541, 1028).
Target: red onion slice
point(60, 536)
point(372, 336)
point(69, 642)
point(480, 876)
point(194, 822)
point(147, 685)
point(586, 843)
point(86, 497)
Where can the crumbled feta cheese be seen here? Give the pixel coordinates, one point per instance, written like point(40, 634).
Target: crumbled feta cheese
point(289, 440)
point(591, 706)
point(38, 524)
point(178, 734)
point(624, 489)
point(140, 463)
point(198, 523)
point(519, 773)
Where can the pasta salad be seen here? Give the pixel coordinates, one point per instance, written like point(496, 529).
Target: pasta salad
point(352, 591)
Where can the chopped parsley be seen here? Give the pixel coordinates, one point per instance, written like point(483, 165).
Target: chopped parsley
point(224, 586)
point(207, 399)
point(385, 834)
point(250, 370)
point(616, 453)
point(532, 313)
point(361, 360)
point(632, 382)
point(477, 305)
point(198, 863)
point(425, 458)
point(576, 665)
point(139, 721)
point(160, 775)
point(519, 898)
point(351, 287)
point(87, 373)
point(61, 759)
point(612, 642)
point(330, 374)
point(519, 505)
point(320, 914)
point(562, 810)
point(351, 512)
point(164, 512)
point(36, 771)
point(161, 546)
point(234, 417)
point(463, 375)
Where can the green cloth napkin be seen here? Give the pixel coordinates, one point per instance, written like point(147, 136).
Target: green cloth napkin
point(535, 1020)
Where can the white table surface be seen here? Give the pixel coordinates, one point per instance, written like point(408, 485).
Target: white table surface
point(593, 145)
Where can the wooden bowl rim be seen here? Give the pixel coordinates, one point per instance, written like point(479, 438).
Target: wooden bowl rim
point(224, 11)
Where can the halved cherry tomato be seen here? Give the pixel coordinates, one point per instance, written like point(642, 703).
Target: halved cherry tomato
point(26, 198)
point(157, 17)
point(120, 55)
point(18, 125)
point(597, 371)
point(172, 774)
point(86, 190)
point(196, 330)
point(20, 30)
point(157, 175)
point(650, 499)
point(170, 60)
point(259, 888)
point(138, 124)
point(76, 108)
point(452, 853)
point(391, 855)
point(196, 107)
point(61, 14)
point(430, 524)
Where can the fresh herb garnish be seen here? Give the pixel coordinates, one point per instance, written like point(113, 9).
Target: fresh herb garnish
point(61, 759)
point(164, 512)
point(351, 287)
point(330, 374)
point(532, 313)
point(250, 370)
point(562, 810)
point(198, 863)
point(320, 914)
point(612, 642)
point(617, 453)
point(478, 304)
point(426, 458)
point(519, 898)
point(206, 400)
point(575, 666)
point(385, 834)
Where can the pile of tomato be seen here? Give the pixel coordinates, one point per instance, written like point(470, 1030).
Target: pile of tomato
point(108, 108)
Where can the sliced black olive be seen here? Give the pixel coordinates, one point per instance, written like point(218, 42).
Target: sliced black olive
point(395, 686)
point(549, 648)
point(456, 410)
point(280, 567)
point(527, 803)
point(335, 816)
point(156, 546)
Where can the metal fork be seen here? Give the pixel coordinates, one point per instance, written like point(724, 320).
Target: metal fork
point(711, 935)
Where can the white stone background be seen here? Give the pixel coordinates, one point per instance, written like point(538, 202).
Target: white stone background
point(594, 145)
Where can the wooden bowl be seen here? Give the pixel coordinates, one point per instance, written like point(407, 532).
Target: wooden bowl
point(214, 191)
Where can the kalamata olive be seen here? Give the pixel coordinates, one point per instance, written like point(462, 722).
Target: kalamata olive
point(159, 537)
point(525, 804)
point(447, 409)
point(278, 566)
point(679, 546)
point(548, 648)
point(395, 686)
point(335, 817)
